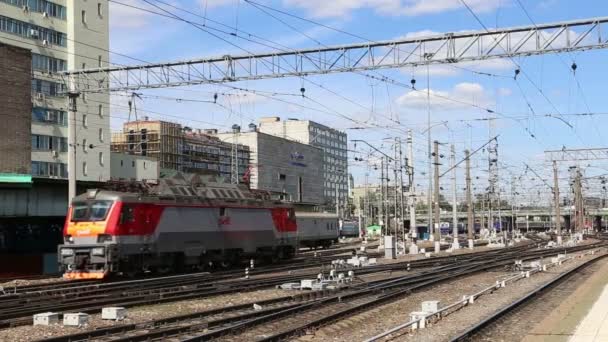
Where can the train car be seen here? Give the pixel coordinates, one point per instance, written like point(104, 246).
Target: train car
point(317, 229)
point(185, 221)
point(350, 229)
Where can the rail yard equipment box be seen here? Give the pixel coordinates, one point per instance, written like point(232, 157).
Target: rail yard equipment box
point(46, 318)
point(114, 313)
point(75, 319)
point(431, 306)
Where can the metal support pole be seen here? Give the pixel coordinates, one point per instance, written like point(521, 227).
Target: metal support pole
point(396, 192)
point(360, 221)
point(381, 215)
point(470, 219)
point(455, 243)
point(436, 176)
point(72, 145)
point(387, 206)
point(430, 170)
point(412, 192)
point(558, 227)
point(337, 202)
point(401, 198)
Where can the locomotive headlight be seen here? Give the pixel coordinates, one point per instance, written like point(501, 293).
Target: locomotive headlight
point(100, 251)
point(67, 252)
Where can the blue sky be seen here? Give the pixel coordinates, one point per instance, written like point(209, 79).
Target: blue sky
point(153, 38)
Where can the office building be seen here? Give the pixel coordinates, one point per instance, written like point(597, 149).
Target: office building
point(283, 166)
point(331, 141)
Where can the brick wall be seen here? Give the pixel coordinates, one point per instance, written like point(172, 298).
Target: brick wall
point(15, 110)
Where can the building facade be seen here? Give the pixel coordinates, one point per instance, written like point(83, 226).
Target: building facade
point(132, 167)
point(62, 35)
point(331, 141)
point(15, 109)
point(283, 166)
point(179, 148)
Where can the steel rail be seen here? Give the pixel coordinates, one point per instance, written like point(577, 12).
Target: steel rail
point(531, 296)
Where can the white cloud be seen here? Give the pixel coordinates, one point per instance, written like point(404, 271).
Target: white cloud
point(339, 8)
point(463, 93)
point(504, 92)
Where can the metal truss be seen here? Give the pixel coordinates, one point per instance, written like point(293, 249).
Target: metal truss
point(577, 154)
point(408, 52)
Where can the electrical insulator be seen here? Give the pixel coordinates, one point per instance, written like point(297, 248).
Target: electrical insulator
point(517, 71)
point(413, 82)
point(215, 98)
point(574, 66)
point(302, 90)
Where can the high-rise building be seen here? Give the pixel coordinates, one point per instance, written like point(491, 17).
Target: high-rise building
point(62, 35)
point(331, 141)
point(180, 148)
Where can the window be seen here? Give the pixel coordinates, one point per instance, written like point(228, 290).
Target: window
point(100, 110)
point(99, 61)
point(99, 9)
point(83, 16)
point(126, 214)
point(101, 134)
point(47, 87)
point(282, 177)
point(85, 121)
point(49, 116)
point(85, 169)
point(101, 158)
point(40, 6)
point(31, 31)
point(49, 143)
point(133, 163)
point(46, 169)
point(48, 64)
point(121, 163)
point(91, 211)
point(145, 166)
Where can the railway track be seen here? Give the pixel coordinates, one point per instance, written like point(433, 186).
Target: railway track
point(522, 309)
point(482, 330)
point(17, 309)
point(288, 316)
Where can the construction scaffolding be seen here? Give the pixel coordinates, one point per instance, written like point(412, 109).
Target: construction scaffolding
point(180, 148)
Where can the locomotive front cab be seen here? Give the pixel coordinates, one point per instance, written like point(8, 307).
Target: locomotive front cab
point(88, 248)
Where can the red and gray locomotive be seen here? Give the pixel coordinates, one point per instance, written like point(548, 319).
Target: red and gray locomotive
point(183, 222)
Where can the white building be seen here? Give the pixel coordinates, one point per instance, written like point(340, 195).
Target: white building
point(282, 165)
point(132, 167)
point(333, 143)
point(62, 35)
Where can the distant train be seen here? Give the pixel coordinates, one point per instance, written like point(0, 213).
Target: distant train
point(349, 229)
point(183, 222)
point(317, 229)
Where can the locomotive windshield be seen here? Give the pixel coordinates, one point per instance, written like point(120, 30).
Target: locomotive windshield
point(90, 211)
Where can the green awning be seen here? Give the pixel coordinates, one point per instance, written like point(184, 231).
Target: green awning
point(15, 178)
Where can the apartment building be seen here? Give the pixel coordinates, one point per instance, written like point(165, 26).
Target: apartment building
point(333, 142)
point(180, 148)
point(62, 35)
